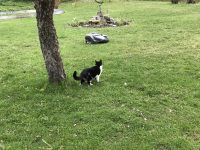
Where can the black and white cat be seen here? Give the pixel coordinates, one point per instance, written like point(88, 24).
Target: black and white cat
point(89, 74)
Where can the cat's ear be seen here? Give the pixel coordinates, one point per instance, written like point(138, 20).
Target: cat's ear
point(100, 61)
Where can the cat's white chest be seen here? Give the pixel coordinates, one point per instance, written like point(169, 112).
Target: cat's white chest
point(101, 69)
point(97, 76)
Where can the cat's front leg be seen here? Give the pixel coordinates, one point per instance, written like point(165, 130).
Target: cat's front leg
point(97, 78)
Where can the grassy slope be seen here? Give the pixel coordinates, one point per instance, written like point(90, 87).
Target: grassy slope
point(157, 56)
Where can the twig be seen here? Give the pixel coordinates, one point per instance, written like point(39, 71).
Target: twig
point(47, 144)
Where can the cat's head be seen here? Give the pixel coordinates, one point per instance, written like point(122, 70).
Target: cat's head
point(98, 63)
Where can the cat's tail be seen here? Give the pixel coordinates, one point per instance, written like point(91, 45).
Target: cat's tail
point(75, 76)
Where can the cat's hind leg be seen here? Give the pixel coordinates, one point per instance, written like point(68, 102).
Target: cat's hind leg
point(82, 81)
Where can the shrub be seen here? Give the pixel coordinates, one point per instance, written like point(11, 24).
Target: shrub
point(174, 1)
point(191, 1)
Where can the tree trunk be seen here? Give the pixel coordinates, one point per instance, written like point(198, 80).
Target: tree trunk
point(48, 40)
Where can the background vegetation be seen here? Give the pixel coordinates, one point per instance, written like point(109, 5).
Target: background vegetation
point(148, 97)
point(9, 5)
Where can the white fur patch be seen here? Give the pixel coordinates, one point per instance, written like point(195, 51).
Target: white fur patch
point(98, 76)
point(101, 69)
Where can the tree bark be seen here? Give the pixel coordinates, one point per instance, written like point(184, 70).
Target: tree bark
point(48, 40)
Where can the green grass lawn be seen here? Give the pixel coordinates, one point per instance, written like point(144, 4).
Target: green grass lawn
point(10, 5)
point(157, 56)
